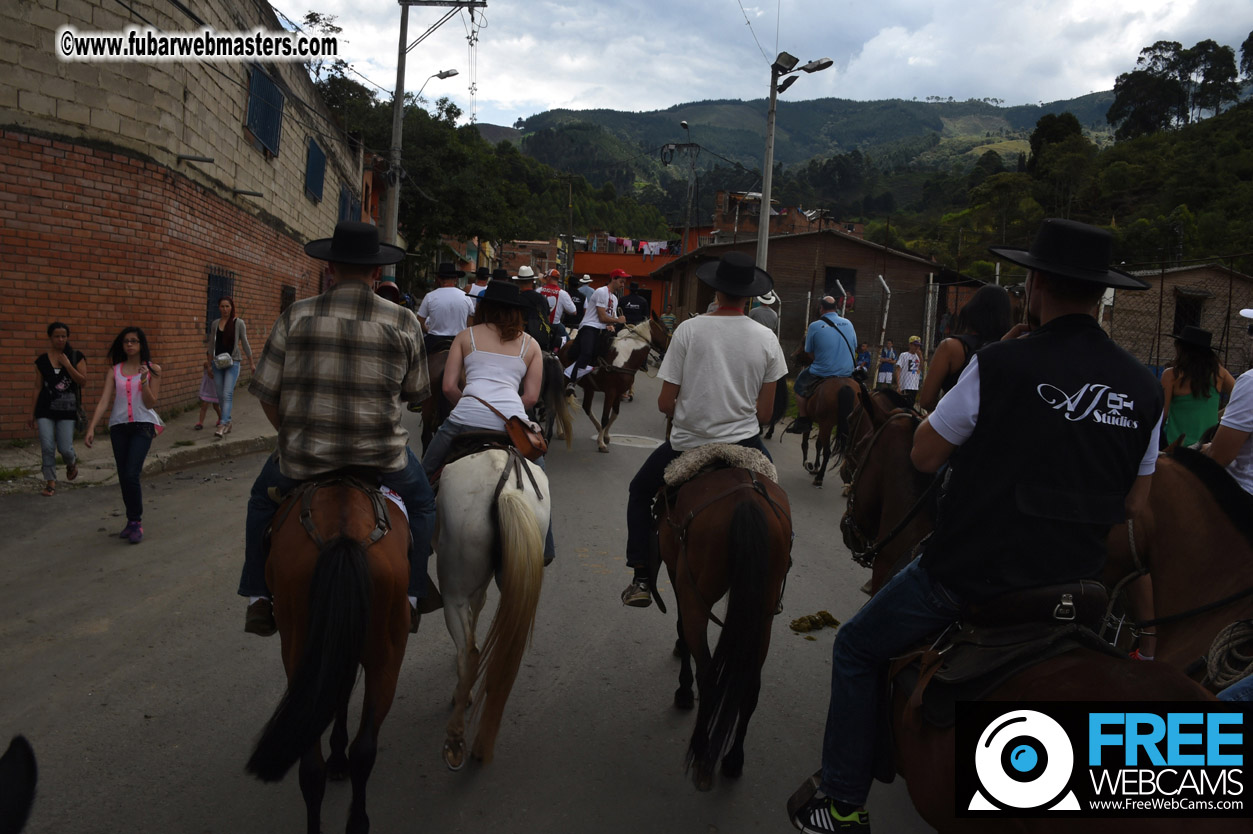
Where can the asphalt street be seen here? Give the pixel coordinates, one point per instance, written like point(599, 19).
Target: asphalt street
point(128, 669)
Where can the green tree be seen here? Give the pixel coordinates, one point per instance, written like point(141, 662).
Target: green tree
point(1050, 129)
point(1006, 200)
point(1065, 168)
point(1210, 71)
point(1246, 57)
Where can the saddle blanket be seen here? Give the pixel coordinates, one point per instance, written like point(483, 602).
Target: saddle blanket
point(690, 464)
point(395, 498)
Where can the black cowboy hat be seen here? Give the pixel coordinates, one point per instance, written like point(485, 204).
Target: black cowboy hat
point(735, 274)
point(1196, 336)
point(482, 274)
point(354, 242)
point(1073, 250)
point(447, 271)
point(500, 275)
point(503, 292)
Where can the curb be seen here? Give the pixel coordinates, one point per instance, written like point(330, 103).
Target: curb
point(181, 458)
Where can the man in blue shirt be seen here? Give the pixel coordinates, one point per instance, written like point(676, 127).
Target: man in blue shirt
point(829, 348)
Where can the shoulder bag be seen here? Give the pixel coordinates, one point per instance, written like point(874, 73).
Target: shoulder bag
point(529, 443)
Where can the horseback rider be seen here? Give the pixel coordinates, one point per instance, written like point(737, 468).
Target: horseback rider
point(1015, 514)
point(446, 311)
point(718, 386)
point(984, 319)
point(634, 306)
point(538, 326)
point(337, 403)
point(600, 314)
point(560, 305)
point(481, 276)
point(1231, 446)
point(829, 351)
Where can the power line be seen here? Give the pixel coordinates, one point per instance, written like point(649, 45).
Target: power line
point(750, 29)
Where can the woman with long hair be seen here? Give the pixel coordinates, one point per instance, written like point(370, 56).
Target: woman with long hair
point(984, 318)
point(498, 358)
point(132, 386)
point(1192, 385)
point(227, 336)
point(60, 373)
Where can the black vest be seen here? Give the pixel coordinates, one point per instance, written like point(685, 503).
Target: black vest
point(1065, 416)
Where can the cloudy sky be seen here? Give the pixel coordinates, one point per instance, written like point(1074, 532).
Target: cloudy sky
point(535, 55)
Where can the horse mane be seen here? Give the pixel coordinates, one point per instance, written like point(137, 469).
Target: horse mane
point(1229, 495)
point(896, 398)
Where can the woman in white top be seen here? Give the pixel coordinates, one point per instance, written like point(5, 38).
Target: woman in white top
point(132, 386)
point(498, 358)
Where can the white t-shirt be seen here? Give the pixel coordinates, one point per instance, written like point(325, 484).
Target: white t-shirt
point(559, 304)
point(603, 298)
point(957, 412)
point(910, 365)
point(1239, 416)
point(720, 364)
point(474, 291)
point(445, 311)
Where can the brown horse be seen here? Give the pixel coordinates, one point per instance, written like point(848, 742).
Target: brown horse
point(339, 570)
point(435, 408)
point(728, 533)
point(629, 352)
point(871, 410)
point(1196, 540)
point(830, 408)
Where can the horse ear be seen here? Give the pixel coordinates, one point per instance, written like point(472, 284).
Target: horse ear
point(878, 416)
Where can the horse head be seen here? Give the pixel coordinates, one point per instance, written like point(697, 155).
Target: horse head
point(633, 346)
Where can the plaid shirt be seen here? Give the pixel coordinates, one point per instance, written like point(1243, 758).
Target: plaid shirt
point(338, 366)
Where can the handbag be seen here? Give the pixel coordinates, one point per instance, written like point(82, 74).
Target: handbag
point(529, 442)
point(223, 361)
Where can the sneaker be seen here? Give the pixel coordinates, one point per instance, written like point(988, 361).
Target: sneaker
point(818, 816)
point(799, 426)
point(126, 531)
point(637, 594)
point(136, 534)
point(415, 619)
point(260, 618)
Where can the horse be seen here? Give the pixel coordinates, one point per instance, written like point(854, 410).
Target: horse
point(18, 777)
point(1198, 525)
point(339, 570)
point(830, 407)
point(628, 353)
point(728, 533)
point(552, 409)
point(481, 534)
point(435, 408)
point(871, 410)
point(781, 400)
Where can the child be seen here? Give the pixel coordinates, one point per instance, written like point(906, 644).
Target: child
point(208, 396)
point(863, 357)
point(887, 364)
point(910, 371)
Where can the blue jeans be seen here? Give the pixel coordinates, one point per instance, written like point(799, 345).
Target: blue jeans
point(437, 450)
point(1241, 690)
point(644, 486)
point(909, 608)
point(224, 380)
point(409, 483)
point(131, 442)
point(54, 436)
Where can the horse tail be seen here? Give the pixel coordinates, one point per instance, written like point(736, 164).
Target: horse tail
point(555, 397)
point(339, 614)
point(19, 775)
point(522, 575)
point(729, 683)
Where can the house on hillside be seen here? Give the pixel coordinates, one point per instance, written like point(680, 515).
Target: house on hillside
point(737, 218)
point(893, 294)
point(147, 190)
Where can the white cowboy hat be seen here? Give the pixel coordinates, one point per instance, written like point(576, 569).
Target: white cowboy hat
point(768, 299)
point(525, 273)
point(586, 279)
point(1247, 312)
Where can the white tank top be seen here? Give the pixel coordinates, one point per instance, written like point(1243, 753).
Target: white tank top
point(496, 378)
point(128, 401)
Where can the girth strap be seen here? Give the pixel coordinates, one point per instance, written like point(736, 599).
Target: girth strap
point(514, 465)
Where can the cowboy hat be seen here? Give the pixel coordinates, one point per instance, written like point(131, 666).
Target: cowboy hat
point(768, 299)
point(525, 273)
point(354, 242)
point(586, 279)
point(502, 292)
point(1072, 250)
point(736, 275)
point(482, 274)
point(500, 275)
point(1247, 312)
point(447, 272)
point(1195, 336)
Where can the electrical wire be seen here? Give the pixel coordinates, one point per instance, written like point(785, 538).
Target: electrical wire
point(750, 29)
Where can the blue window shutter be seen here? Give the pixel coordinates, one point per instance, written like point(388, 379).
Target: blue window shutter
point(265, 110)
point(315, 172)
point(349, 205)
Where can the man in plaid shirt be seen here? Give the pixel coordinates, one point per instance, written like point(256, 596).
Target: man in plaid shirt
point(332, 379)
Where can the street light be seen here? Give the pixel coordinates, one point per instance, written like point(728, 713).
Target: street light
point(784, 64)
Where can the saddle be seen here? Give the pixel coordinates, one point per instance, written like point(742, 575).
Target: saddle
point(996, 640)
point(717, 456)
point(362, 479)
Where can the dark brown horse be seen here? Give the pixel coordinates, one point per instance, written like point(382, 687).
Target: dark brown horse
point(830, 407)
point(729, 533)
point(435, 408)
point(615, 374)
point(339, 570)
point(1196, 540)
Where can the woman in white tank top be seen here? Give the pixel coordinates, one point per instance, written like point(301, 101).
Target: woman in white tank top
point(132, 388)
point(498, 359)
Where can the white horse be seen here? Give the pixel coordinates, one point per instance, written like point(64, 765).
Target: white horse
point(480, 535)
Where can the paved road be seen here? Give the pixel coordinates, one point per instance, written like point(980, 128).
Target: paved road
point(128, 669)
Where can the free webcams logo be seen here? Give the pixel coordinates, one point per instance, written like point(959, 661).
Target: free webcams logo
point(1093, 759)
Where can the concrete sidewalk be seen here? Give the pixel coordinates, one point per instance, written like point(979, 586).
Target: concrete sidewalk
point(178, 447)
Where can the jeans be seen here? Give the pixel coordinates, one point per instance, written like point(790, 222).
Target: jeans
point(224, 380)
point(437, 451)
point(54, 436)
point(409, 483)
point(131, 442)
point(644, 486)
point(909, 608)
point(585, 344)
point(1241, 690)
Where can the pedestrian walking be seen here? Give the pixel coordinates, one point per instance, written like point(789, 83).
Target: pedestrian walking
point(60, 373)
point(132, 387)
point(208, 397)
point(225, 344)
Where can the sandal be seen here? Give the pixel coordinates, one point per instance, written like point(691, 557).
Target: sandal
point(48, 491)
point(71, 471)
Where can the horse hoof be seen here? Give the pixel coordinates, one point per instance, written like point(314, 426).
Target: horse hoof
point(817, 483)
point(454, 754)
point(604, 449)
point(336, 770)
point(683, 699)
point(704, 781)
point(732, 770)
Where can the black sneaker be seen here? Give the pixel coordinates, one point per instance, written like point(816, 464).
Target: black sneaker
point(818, 816)
point(799, 426)
point(260, 618)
